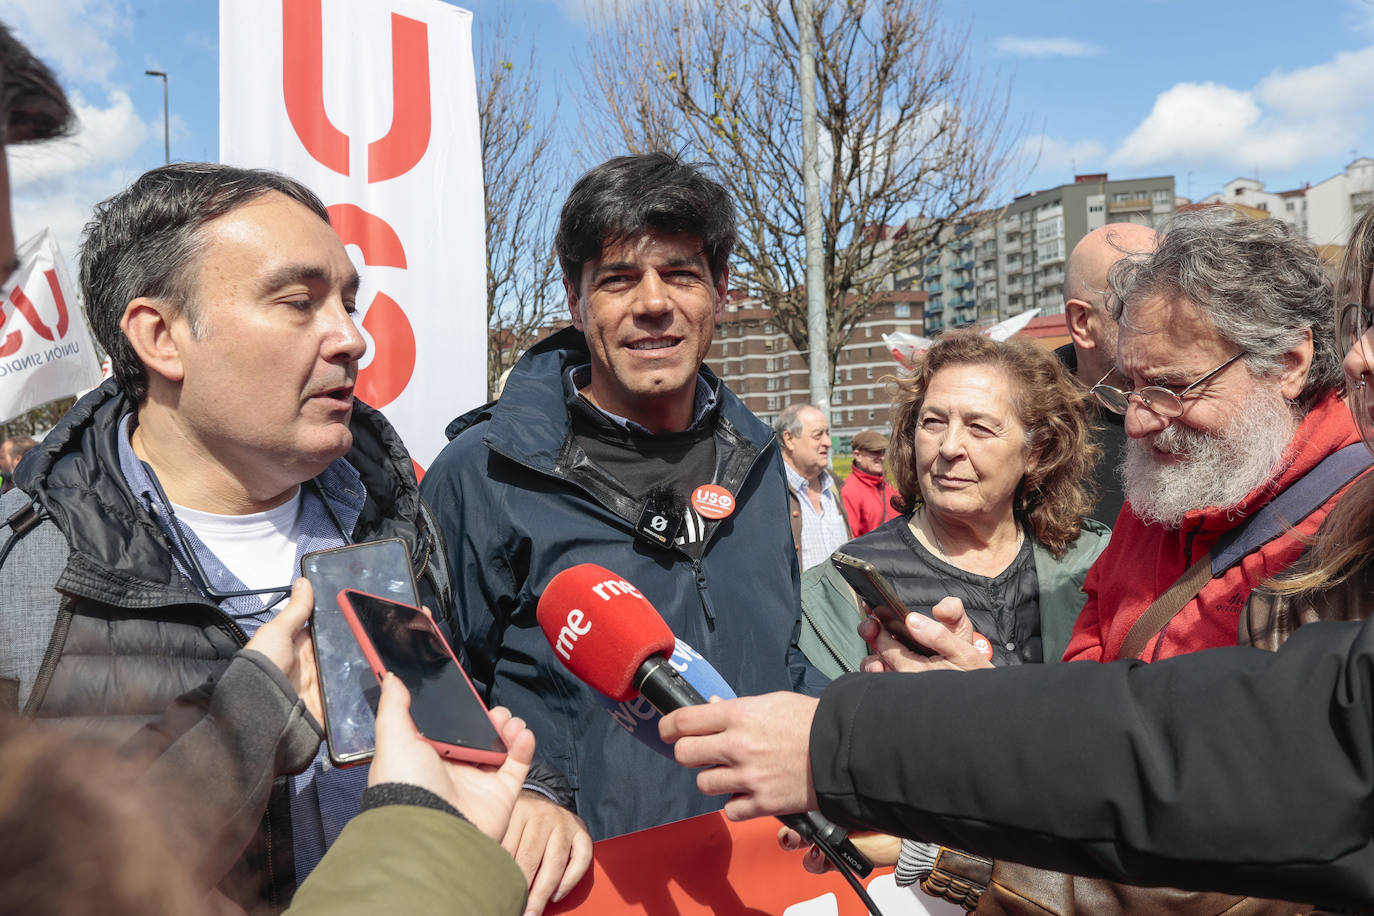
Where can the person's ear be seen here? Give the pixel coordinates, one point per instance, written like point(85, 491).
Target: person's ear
point(574, 311)
point(722, 287)
point(1078, 315)
point(1296, 364)
point(153, 327)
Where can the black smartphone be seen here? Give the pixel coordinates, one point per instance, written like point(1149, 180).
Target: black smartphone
point(879, 595)
point(346, 682)
point(445, 707)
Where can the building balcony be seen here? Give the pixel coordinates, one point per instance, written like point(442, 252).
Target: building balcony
point(935, 288)
point(1123, 206)
point(934, 308)
point(963, 318)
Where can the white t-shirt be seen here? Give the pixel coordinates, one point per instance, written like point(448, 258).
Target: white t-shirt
point(259, 548)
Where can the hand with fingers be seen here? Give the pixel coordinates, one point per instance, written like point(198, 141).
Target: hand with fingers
point(879, 848)
point(285, 640)
point(485, 795)
point(950, 635)
point(552, 847)
point(754, 749)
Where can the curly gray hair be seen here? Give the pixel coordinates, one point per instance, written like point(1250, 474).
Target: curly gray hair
point(1260, 286)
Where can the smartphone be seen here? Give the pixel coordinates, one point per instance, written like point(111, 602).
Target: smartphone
point(879, 595)
point(381, 568)
point(447, 710)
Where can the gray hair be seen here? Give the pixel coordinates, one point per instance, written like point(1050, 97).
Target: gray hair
point(144, 241)
point(789, 421)
point(1258, 284)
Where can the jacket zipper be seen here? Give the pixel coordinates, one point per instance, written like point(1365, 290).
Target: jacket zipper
point(825, 641)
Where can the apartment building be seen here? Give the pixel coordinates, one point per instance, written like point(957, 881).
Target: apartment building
point(1323, 213)
point(759, 363)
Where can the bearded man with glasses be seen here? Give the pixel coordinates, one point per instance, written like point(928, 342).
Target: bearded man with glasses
point(1225, 342)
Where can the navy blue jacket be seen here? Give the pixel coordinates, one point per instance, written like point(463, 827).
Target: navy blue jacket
point(518, 501)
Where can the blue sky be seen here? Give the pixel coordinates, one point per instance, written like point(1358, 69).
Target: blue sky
point(1191, 88)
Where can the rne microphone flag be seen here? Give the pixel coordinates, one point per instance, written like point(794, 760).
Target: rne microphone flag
point(601, 628)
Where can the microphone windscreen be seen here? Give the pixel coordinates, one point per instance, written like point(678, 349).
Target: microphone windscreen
point(601, 628)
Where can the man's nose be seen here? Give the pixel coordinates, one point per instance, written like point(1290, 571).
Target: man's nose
point(1141, 421)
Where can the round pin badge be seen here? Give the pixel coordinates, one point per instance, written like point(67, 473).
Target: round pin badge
point(981, 643)
point(713, 501)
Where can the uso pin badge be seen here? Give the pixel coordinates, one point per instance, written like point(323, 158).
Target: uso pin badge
point(713, 501)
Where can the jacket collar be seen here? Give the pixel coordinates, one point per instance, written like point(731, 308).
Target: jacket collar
point(75, 478)
point(530, 422)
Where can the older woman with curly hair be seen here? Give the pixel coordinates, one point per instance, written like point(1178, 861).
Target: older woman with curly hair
point(992, 456)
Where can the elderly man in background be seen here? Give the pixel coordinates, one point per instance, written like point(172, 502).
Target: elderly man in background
point(1234, 397)
point(819, 524)
point(1091, 352)
point(866, 495)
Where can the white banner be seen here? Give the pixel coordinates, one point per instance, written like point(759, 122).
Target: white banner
point(45, 347)
point(375, 109)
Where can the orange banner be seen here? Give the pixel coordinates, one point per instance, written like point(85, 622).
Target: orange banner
point(711, 866)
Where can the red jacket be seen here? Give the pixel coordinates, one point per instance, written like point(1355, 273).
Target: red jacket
point(1142, 561)
point(867, 501)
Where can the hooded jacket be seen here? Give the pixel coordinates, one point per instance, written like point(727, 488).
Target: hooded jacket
point(518, 501)
point(101, 629)
point(1142, 561)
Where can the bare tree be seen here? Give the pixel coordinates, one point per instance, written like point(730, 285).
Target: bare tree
point(519, 162)
point(912, 143)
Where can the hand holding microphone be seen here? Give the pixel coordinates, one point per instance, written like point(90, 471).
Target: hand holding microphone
point(609, 635)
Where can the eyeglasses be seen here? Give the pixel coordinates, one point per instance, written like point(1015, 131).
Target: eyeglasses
point(1352, 324)
point(1163, 401)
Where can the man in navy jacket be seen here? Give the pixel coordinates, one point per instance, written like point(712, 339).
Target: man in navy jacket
point(612, 444)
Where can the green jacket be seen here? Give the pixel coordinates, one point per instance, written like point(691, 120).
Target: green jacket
point(408, 859)
point(830, 610)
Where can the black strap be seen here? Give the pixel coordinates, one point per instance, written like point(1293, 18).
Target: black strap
point(1303, 497)
point(1299, 500)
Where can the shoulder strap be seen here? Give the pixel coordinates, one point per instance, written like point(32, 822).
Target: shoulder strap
point(1299, 500)
point(35, 625)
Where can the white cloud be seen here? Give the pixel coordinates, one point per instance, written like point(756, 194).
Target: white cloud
point(1283, 121)
point(66, 206)
point(1026, 46)
point(71, 35)
point(1339, 85)
point(1058, 154)
point(104, 135)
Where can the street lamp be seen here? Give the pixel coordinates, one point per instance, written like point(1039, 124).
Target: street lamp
point(166, 132)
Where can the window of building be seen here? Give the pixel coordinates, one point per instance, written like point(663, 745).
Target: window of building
point(849, 395)
point(870, 414)
point(772, 383)
point(772, 402)
point(902, 310)
point(868, 330)
point(1240, 191)
point(1163, 197)
point(870, 372)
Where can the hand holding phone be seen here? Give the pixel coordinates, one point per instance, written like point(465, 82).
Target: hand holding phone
point(879, 595)
point(484, 795)
point(286, 642)
point(346, 682)
point(403, 639)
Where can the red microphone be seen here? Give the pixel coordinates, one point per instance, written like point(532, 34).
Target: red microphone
point(603, 630)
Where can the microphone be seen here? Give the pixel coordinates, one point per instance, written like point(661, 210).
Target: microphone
point(639, 717)
point(612, 639)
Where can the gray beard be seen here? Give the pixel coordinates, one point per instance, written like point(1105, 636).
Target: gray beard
point(1218, 469)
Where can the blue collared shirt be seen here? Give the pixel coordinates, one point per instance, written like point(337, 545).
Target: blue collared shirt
point(704, 400)
point(824, 531)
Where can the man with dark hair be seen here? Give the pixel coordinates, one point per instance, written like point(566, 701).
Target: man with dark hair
point(162, 522)
point(612, 444)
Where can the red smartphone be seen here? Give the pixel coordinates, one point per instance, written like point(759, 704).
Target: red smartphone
point(446, 708)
